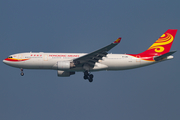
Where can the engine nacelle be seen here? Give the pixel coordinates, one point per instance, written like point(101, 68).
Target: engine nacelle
point(64, 73)
point(64, 65)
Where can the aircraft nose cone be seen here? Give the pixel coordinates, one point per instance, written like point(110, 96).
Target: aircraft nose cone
point(4, 61)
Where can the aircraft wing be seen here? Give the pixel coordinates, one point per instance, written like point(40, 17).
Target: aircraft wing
point(95, 56)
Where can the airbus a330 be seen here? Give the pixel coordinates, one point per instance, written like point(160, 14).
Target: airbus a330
point(67, 64)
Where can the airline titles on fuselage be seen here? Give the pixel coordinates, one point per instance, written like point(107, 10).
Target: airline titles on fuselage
point(51, 55)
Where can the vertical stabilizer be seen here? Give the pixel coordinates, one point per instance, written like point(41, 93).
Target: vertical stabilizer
point(162, 45)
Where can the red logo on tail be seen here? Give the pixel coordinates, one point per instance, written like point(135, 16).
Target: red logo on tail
point(160, 47)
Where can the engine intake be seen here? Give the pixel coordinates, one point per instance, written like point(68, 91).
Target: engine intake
point(64, 73)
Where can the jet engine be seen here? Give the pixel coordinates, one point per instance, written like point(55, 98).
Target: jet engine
point(64, 65)
point(64, 73)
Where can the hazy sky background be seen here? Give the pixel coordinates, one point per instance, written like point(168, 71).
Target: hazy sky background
point(148, 93)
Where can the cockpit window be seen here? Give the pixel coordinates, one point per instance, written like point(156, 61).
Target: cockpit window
point(10, 57)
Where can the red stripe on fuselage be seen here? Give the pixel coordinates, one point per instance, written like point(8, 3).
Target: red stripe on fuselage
point(15, 60)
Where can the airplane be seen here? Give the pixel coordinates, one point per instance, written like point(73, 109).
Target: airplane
point(67, 64)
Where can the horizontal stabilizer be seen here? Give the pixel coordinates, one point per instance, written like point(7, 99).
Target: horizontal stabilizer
point(159, 58)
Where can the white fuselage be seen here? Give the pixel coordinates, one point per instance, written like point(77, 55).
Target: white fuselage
point(49, 61)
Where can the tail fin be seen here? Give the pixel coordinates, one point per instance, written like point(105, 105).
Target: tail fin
point(162, 45)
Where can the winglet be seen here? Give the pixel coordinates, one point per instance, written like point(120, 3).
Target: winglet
point(118, 40)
